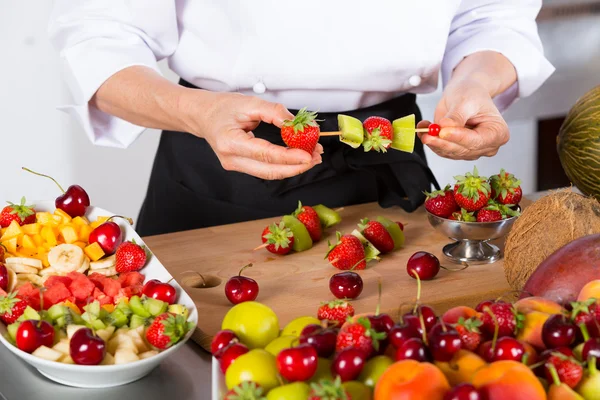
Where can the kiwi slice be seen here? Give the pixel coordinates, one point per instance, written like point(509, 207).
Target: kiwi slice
point(117, 318)
point(394, 230)
point(57, 311)
point(327, 216)
point(136, 321)
point(12, 330)
point(302, 240)
point(371, 251)
point(179, 309)
point(352, 131)
point(155, 307)
point(404, 134)
point(135, 303)
point(30, 313)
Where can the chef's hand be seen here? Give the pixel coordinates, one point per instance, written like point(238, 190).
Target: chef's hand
point(227, 126)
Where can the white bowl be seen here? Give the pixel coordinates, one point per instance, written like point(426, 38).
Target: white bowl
point(102, 376)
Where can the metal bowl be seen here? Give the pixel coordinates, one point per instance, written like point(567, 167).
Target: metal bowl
point(471, 239)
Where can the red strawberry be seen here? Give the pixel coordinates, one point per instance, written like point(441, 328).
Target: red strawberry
point(379, 134)
point(130, 256)
point(335, 311)
point(347, 253)
point(21, 213)
point(302, 132)
point(359, 335)
point(166, 330)
point(11, 308)
point(587, 313)
point(469, 332)
point(280, 238)
point(309, 217)
point(327, 389)
point(376, 233)
point(569, 370)
point(441, 202)
point(508, 318)
point(246, 390)
point(495, 212)
point(506, 189)
point(471, 191)
point(463, 215)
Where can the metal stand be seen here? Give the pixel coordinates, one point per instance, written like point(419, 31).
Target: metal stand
point(472, 252)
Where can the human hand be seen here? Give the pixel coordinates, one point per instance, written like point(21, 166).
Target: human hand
point(227, 123)
point(471, 125)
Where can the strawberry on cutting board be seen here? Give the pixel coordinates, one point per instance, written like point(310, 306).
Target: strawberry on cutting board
point(441, 202)
point(130, 256)
point(472, 191)
point(309, 217)
point(506, 189)
point(280, 239)
point(22, 213)
point(11, 308)
point(379, 134)
point(335, 311)
point(359, 335)
point(347, 253)
point(302, 132)
point(375, 232)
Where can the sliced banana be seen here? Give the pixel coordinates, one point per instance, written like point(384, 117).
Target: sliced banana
point(66, 257)
point(49, 271)
point(12, 280)
point(85, 266)
point(107, 262)
point(105, 271)
point(33, 278)
point(22, 269)
point(30, 262)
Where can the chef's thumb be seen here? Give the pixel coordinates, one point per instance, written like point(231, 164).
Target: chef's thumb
point(452, 119)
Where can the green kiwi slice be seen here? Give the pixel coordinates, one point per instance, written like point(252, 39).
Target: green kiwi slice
point(302, 240)
point(371, 251)
point(352, 131)
point(394, 230)
point(327, 216)
point(404, 134)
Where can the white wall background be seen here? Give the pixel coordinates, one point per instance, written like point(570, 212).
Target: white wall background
point(36, 135)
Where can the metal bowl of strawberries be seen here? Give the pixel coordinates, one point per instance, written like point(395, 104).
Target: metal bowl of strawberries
point(474, 211)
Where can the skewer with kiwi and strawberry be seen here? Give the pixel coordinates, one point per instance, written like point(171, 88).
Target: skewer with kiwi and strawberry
point(373, 134)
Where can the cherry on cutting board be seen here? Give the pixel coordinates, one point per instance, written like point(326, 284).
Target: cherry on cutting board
point(230, 353)
point(412, 349)
point(221, 340)
point(160, 291)
point(241, 288)
point(463, 391)
point(348, 364)
point(297, 363)
point(85, 348)
point(108, 235)
point(346, 285)
point(74, 201)
point(558, 331)
point(322, 339)
point(424, 264)
point(32, 334)
point(3, 277)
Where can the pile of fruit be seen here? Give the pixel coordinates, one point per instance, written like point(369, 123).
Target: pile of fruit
point(71, 290)
point(531, 349)
point(475, 198)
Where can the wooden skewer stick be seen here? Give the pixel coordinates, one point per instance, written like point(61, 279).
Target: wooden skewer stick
point(262, 246)
point(336, 133)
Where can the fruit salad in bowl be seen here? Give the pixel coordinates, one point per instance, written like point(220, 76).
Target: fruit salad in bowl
point(82, 299)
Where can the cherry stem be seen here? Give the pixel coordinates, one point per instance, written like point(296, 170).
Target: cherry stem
point(525, 359)
point(262, 246)
point(379, 298)
point(170, 279)
point(120, 216)
point(553, 373)
point(584, 332)
point(45, 176)
point(339, 209)
point(443, 325)
point(422, 321)
point(592, 366)
point(465, 266)
point(244, 267)
point(496, 328)
point(418, 290)
point(197, 273)
point(41, 290)
point(354, 266)
point(400, 310)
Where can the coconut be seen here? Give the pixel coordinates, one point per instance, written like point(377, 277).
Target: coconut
point(545, 226)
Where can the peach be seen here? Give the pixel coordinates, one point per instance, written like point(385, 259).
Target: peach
point(530, 354)
point(531, 332)
point(411, 380)
point(453, 315)
point(529, 304)
point(462, 367)
point(590, 290)
point(503, 380)
point(563, 392)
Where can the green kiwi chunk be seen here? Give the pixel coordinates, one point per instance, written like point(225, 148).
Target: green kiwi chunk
point(371, 251)
point(394, 230)
point(352, 131)
point(404, 134)
point(302, 240)
point(327, 216)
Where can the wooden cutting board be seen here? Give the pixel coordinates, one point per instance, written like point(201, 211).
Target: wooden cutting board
point(294, 285)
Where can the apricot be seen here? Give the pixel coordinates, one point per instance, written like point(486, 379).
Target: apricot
point(531, 332)
point(411, 380)
point(462, 367)
point(563, 392)
point(590, 290)
point(530, 354)
point(529, 304)
point(453, 315)
point(503, 380)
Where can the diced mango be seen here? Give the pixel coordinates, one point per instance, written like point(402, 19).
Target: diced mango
point(31, 229)
point(28, 243)
point(72, 306)
point(10, 245)
point(66, 218)
point(109, 307)
point(57, 219)
point(44, 218)
point(94, 251)
point(49, 236)
point(2, 230)
point(80, 244)
point(12, 231)
point(99, 221)
point(38, 239)
point(69, 234)
point(80, 221)
point(24, 252)
point(84, 232)
point(44, 257)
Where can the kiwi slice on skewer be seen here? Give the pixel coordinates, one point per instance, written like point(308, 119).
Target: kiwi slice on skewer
point(327, 216)
point(394, 230)
point(352, 131)
point(404, 134)
point(302, 240)
point(371, 251)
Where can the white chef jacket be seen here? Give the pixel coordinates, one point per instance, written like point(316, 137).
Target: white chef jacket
point(327, 55)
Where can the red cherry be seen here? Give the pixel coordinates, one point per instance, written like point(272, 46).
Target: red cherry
point(3, 277)
point(486, 303)
point(108, 236)
point(429, 317)
point(348, 364)
point(434, 129)
point(87, 348)
point(591, 348)
point(160, 291)
point(401, 225)
point(230, 353)
point(32, 334)
point(507, 348)
point(346, 285)
point(400, 333)
point(463, 391)
point(382, 323)
point(241, 288)
point(414, 321)
point(558, 331)
point(412, 349)
point(221, 340)
point(297, 363)
point(322, 339)
point(445, 344)
point(426, 265)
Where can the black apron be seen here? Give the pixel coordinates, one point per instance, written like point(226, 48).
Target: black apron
point(189, 189)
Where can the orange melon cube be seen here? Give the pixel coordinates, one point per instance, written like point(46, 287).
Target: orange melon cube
point(69, 234)
point(44, 218)
point(80, 244)
point(31, 229)
point(84, 232)
point(94, 251)
point(10, 245)
point(79, 221)
point(49, 236)
point(12, 231)
point(109, 307)
point(38, 240)
point(28, 243)
point(65, 218)
point(72, 306)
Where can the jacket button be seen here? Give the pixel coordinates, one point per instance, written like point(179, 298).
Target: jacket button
point(415, 80)
point(259, 88)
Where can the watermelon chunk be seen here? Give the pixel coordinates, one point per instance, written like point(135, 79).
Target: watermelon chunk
point(31, 295)
point(98, 280)
point(76, 275)
point(26, 290)
point(55, 294)
point(53, 279)
point(111, 287)
point(131, 278)
point(82, 287)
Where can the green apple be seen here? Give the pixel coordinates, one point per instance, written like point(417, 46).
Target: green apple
point(255, 324)
point(280, 343)
point(358, 390)
point(373, 369)
point(292, 391)
point(294, 328)
point(257, 365)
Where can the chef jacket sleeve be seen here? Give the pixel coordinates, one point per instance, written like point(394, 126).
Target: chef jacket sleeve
point(505, 26)
point(98, 38)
